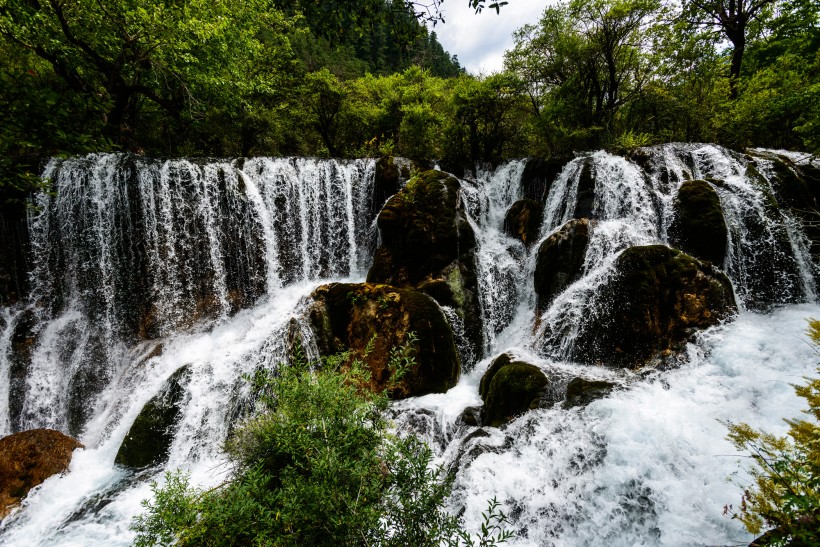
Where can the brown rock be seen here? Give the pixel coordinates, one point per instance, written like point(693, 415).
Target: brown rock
point(379, 318)
point(29, 458)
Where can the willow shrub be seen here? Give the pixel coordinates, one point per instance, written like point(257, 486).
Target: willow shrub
point(316, 465)
point(785, 496)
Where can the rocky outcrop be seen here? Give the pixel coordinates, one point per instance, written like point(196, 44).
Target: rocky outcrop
point(699, 227)
point(523, 220)
point(560, 260)
point(427, 244)
point(656, 299)
point(582, 391)
point(510, 388)
point(29, 458)
point(370, 320)
point(585, 204)
point(149, 440)
point(14, 252)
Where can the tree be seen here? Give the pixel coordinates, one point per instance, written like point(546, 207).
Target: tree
point(785, 496)
point(732, 18)
point(316, 465)
point(173, 57)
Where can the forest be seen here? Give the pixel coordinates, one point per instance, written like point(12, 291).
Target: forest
point(366, 79)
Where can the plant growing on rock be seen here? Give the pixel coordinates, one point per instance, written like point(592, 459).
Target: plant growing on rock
point(785, 496)
point(316, 465)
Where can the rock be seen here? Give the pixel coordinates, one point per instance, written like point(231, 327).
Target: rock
point(699, 227)
point(471, 416)
point(582, 391)
point(428, 244)
point(538, 175)
point(349, 317)
point(510, 388)
point(149, 440)
point(23, 342)
point(27, 459)
point(560, 260)
point(523, 220)
point(585, 204)
point(656, 299)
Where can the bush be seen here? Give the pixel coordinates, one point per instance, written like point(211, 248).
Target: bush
point(316, 465)
point(785, 497)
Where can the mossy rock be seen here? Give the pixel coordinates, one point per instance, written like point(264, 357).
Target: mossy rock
point(27, 459)
point(148, 442)
point(582, 391)
point(509, 388)
point(560, 260)
point(699, 227)
point(350, 317)
point(429, 245)
point(523, 220)
point(657, 298)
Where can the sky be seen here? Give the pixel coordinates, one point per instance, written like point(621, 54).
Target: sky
point(480, 40)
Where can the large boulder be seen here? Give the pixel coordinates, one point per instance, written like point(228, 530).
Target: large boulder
point(582, 391)
point(148, 442)
point(370, 320)
point(656, 299)
point(523, 220)
point(428, 244)
point(699, 227)
point(27, 459)
point(560, 260)
point(510, 388)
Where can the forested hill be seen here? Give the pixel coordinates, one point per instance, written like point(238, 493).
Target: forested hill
point(365, 78)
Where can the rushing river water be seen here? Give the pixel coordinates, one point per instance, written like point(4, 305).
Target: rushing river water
point(143, 267)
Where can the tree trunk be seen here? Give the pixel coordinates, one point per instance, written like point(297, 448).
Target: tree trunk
point(738, 39)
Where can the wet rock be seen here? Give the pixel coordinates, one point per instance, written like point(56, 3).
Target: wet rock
point(657, 298)
point(560, 260)
point(699, 227)
point(353, 317)
point(510, 388)
point(538, 176)
point(149, 439)
point(523, 220)
point(15, 242)
point(471, 416)
point(582, 391)
point(428, 244)
point(27, 459)
point(585, 204)
point(23, 342)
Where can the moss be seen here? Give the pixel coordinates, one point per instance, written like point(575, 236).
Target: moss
point(149, 439)
point(512, 389)
point(699, 227)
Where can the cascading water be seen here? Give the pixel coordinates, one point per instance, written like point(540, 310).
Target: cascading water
point(144, 267)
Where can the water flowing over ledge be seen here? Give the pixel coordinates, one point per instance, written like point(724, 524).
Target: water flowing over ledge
point(143, 267)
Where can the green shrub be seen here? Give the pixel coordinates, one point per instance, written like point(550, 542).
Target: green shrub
point(785, 497)
point(316, 465)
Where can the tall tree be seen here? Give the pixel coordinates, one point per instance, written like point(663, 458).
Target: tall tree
point(732, 18)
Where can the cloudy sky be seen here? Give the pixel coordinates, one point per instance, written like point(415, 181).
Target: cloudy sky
point(480, 40)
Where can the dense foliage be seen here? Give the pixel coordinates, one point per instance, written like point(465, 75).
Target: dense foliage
point(316, 465)
point(785, 497)
point(343, 78)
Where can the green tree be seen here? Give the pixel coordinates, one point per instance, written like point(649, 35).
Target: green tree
point(785, 497)
point(316, 465)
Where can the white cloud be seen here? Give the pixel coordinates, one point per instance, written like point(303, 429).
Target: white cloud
point(480, 40)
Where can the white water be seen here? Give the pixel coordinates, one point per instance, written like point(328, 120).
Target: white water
point(646, 465)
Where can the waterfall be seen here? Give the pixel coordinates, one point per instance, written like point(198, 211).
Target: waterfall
point(143, 268)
